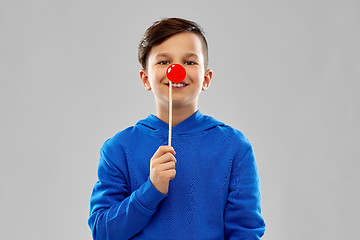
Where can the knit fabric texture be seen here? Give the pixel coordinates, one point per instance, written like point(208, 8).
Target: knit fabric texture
point(214, 195)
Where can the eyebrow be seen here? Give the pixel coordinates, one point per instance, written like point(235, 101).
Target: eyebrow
point(191, 55)
point(167, 55)
point(162, 55)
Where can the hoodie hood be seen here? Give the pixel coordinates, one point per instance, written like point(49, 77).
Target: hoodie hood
point(196, 123)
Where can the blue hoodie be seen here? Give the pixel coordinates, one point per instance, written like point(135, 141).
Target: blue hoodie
point(214, 195)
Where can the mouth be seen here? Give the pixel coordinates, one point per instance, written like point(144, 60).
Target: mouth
point(177, 85)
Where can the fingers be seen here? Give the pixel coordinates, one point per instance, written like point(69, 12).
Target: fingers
point(171, 173)
point(162, 168)
point(167, 157)
point(162, 150)
point(166, 166)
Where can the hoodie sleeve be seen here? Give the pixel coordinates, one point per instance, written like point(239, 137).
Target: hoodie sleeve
point(242, 215)
point(115, 213)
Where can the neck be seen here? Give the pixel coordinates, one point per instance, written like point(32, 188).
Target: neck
point(179, 113)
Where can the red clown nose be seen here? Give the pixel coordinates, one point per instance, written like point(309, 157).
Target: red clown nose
point(176, 73)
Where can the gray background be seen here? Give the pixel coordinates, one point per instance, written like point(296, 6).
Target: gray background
point(286, 73)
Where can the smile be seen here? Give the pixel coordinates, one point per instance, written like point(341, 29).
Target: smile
point(178, 85)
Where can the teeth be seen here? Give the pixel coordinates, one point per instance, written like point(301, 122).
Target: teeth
point(178, 84)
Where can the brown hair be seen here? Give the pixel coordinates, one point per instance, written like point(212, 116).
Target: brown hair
point(164, 29)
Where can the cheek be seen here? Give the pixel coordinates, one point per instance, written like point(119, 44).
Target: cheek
point(161, 75)
point(157, 76)
point(195, 75)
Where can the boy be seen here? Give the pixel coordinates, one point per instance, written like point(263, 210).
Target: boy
point(204, 186)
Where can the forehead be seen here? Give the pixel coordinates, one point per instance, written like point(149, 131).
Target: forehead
point(178, 45)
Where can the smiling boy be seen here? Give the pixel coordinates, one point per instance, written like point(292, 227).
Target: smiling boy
point(204, 186)
point(186, 49)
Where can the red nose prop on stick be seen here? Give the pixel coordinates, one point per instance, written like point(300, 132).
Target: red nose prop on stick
point(175, 73)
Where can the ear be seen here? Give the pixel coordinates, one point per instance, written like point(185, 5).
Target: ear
point(145, 79)
point(207, 79)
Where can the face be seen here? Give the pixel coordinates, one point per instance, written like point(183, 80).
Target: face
point(184, 49)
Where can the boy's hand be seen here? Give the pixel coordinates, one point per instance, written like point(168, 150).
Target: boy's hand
point(162, 168)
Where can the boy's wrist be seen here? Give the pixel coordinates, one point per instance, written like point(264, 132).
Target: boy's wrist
point(149, 196)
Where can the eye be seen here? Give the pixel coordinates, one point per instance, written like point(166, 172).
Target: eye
point(164, 62)
point(190, 63)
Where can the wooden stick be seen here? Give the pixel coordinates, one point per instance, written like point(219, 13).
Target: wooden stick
point(170, 112)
